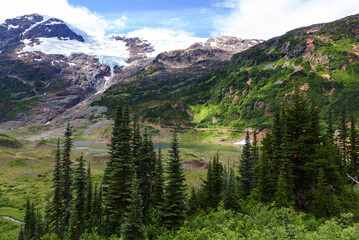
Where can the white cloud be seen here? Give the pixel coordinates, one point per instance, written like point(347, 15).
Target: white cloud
point(165, 40)
point(80, 17)
point(269, 18)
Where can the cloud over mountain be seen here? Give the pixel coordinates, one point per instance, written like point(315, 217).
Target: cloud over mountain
point(266, 19)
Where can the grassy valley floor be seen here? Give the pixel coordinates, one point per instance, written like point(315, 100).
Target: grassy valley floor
point(27, 171)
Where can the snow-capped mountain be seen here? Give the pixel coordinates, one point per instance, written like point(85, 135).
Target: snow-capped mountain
point(64, 66)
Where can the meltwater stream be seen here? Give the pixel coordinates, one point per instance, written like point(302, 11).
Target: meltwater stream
point(11, 219)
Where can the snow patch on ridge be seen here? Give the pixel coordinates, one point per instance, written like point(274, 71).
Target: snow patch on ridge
point(36, 24)
point(54, 22)
point(166, 45)
point(12, 26)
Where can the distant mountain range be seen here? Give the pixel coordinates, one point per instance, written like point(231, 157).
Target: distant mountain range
point(50, 71)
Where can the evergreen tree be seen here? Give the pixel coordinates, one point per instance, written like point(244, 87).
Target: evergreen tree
point(266, 180)
point(281, 198)
point(136, 142)
point(310, 153)
point(174, 204)
point(231, 196)
point(79, 188)
point(89, 198)
point(48, 217)
point(115, 141)
point(192, 202)
point(330, 128)
point(119, 174)
point(30, 220)
point(343, 134)
point(217, 169)
point(72, 232)
point(158, 181)
point(330, 161)
point(255, 150)
point(96, 211)
point(145, 167)
point(297, 120)
point(321, 198)
point(213, 185)
point(353, 148)
point(39, 226)
point(246, 170)
point(21, 235)
point(284, 194)
point(133, 227)
point(57, 200)
point(277, 141)
point(66, 168)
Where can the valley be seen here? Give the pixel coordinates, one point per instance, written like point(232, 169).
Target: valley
point(205, 138)
point(27, 171)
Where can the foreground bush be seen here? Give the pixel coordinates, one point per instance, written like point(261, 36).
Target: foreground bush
point(265, 222)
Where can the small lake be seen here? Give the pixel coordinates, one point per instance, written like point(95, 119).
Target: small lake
point(90, 146)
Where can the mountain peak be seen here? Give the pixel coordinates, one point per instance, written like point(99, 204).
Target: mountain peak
point(51, 27)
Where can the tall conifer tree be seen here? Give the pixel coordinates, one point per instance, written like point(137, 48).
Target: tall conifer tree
point(297, 122)
point(57, 200)
point(213, 185)
point(277, 141)
point(66, 167)
point(174, 205)
point(30, 220)
point(266, 180)
point(145, 167)
point(133, 227)
point(285, 184)
point(96, 210)
point(136, 142)
point(192, 202)
point(79, 188)
point(330, 128)
point(21, 235)
point(72, 232)
point(246, 168)
point(321, 196)
point(119, 172)
point(39, 226)
point(158, 181)
point(343, 135)
point(231, 196)
point(89, 198)
point(353, 148)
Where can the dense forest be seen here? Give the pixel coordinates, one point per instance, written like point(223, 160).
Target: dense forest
point(300, 181)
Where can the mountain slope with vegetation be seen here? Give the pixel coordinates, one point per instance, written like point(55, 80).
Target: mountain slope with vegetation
point(322, 59)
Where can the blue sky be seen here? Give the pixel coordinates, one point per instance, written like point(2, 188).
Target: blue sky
point(194, 16)
point(261, 19)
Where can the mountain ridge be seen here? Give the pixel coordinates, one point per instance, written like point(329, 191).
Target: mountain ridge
point(55, 68)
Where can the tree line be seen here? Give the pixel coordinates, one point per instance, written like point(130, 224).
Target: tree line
point(299, 164)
